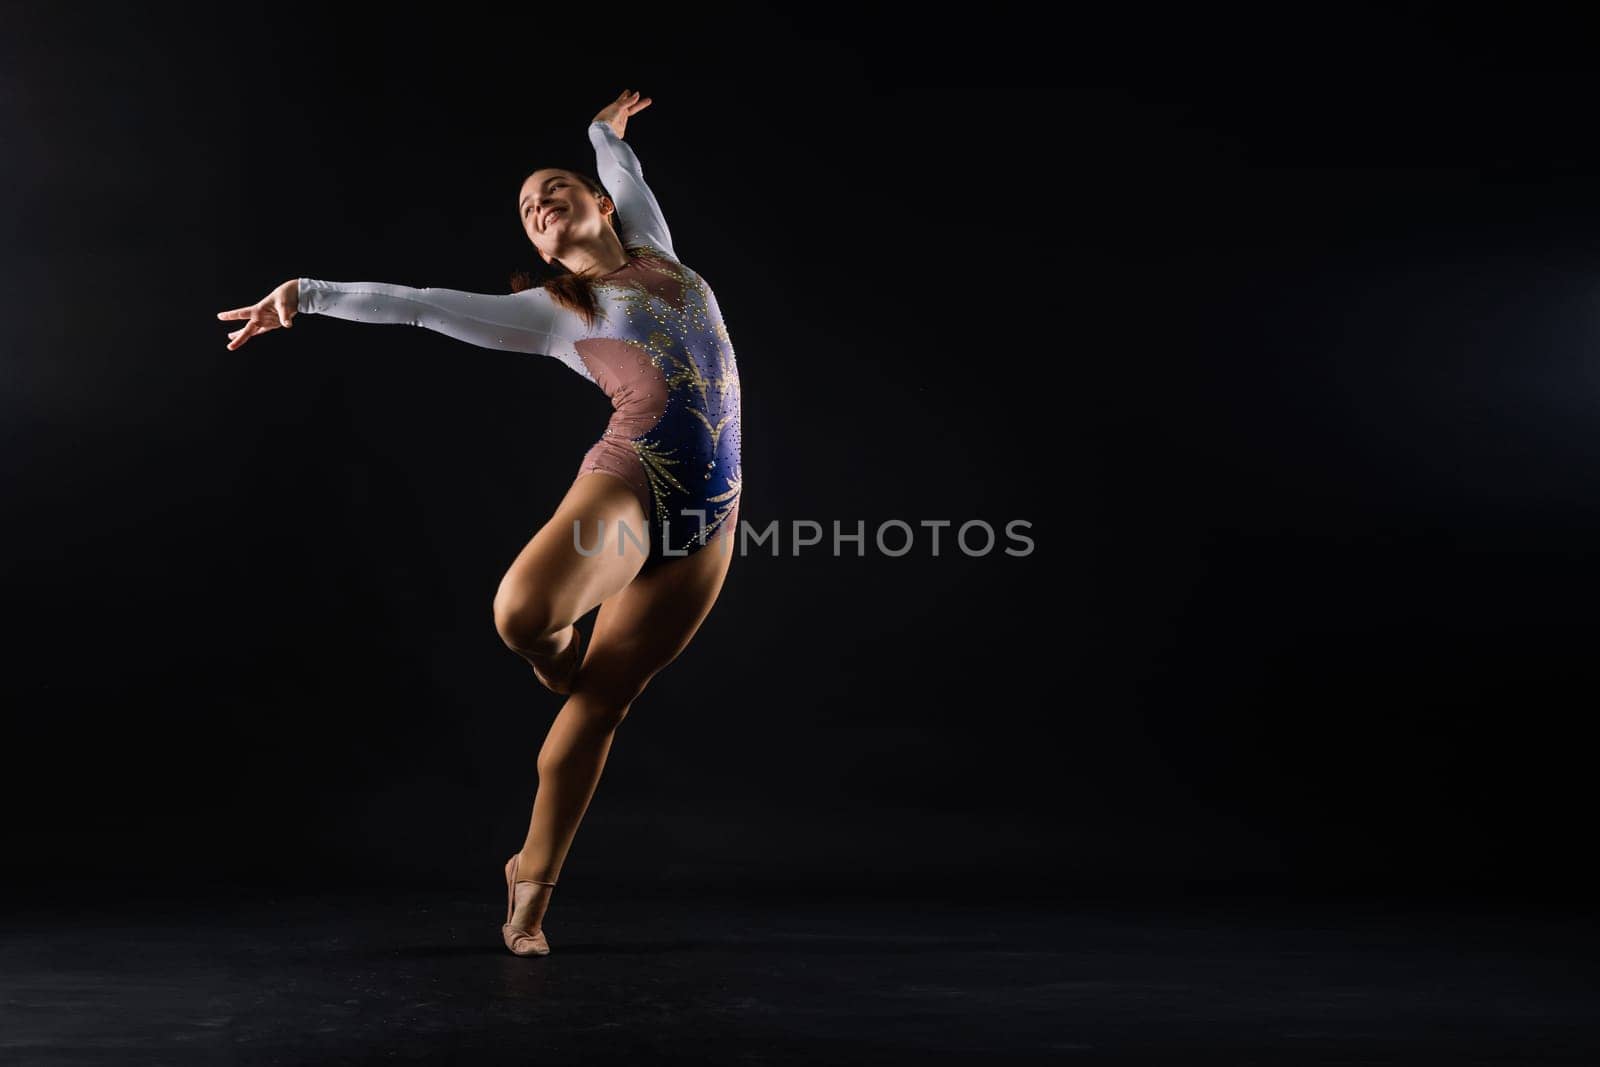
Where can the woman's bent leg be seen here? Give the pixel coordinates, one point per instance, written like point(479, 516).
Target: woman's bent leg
point(551, 584)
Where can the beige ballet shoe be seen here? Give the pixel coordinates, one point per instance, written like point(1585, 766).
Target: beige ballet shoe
point(521, 942)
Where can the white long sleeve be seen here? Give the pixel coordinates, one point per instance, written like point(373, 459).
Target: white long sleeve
point(529, 321)
point(619, 170)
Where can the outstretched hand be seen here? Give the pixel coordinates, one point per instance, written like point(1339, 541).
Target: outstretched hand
point(616, 113)
point(277, 308)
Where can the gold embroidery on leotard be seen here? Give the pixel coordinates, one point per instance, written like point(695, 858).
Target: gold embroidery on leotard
point(727, 500)
point(656, 462)
point(714, 431)
point(686, 372)
point(727, 380)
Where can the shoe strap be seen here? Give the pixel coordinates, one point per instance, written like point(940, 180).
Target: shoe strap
point(533, 881)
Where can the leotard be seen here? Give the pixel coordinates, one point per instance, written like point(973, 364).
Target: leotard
point(658, 348)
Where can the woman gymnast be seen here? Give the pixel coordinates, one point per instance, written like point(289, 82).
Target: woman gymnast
point(661, 485)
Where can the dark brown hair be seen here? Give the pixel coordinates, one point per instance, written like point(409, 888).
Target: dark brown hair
point(570, 290)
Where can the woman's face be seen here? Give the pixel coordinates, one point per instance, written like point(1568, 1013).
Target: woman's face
point(559, 212)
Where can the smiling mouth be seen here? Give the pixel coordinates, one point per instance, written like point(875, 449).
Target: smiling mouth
point(551, 215)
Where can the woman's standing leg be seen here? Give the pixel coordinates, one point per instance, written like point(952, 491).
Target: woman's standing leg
point(638, 631)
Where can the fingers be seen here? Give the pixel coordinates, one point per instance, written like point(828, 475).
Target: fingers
point(261, 317)
point(243, 334)
point(258, 324)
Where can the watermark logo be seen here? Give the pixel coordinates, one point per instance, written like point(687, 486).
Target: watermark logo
point(891, 537)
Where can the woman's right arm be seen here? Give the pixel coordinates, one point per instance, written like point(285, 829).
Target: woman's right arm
point(529, 321)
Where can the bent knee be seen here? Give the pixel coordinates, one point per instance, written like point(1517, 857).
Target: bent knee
point(521, 620)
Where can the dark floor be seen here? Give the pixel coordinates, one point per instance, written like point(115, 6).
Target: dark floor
point(342, 978)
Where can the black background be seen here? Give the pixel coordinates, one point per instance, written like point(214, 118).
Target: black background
point(1282, 336)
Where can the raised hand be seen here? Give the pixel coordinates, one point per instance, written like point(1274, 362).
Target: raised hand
point(616, 113)
point(277, 308)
